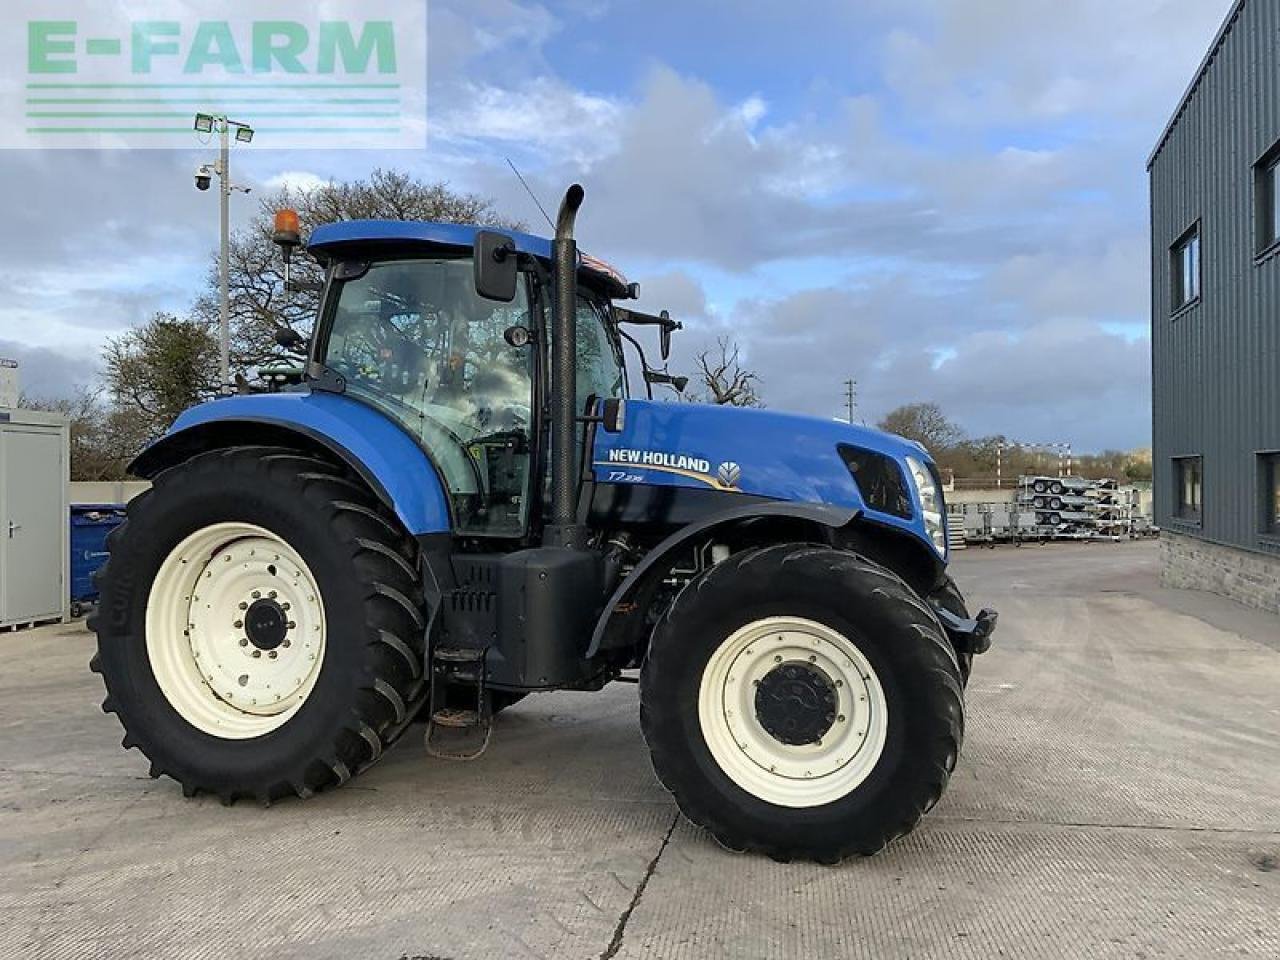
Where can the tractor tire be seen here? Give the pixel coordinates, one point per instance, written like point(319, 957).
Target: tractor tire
point(1056, 503)
point(1055, 520)
point(949, 597)
point(1055, 487)
point(1040, 486)
point(802, 702)
point(1038, 502)
point(305, 660)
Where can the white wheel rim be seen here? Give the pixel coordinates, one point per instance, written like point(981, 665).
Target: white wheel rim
point(198, 643)
point(808, 775)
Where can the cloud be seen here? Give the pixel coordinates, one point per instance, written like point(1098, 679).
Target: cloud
point(302, 180)
point(542, 115)
point(48, 374)
point(944, 201)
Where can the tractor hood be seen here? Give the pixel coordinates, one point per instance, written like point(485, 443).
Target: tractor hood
point(744, 451)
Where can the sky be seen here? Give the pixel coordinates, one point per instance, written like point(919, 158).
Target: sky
point(944, 200)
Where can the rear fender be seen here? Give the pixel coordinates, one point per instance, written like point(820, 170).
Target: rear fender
point(373, 445)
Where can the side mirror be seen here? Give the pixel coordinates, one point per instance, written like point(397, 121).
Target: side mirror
point(495, 261)
point(668, 327)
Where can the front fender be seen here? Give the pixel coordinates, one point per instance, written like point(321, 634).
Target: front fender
point(396, 468)
point(821, 516)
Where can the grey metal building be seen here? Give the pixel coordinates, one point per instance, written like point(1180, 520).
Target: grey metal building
point(1215, 326)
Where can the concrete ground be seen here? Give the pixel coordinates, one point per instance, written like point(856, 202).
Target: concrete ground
point(1118, 796)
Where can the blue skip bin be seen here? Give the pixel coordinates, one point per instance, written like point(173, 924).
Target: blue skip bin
point(90, 525)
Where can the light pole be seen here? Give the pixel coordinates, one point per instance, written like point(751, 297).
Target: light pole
point(208, 123)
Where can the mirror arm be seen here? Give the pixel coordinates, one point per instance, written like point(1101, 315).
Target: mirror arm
point(644, 361)
point(638, 319)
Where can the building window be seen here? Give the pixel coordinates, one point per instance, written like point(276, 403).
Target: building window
point(1188, 477)
point(1266, 198)
point(1270, 463)
point(1184, 258)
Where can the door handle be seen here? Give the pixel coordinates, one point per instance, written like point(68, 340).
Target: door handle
point(13, 527)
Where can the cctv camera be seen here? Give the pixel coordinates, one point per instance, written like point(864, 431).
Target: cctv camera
point(204, 178)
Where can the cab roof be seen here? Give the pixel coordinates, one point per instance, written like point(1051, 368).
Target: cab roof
point(335, 238)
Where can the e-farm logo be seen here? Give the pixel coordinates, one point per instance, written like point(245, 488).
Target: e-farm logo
point(301, 73)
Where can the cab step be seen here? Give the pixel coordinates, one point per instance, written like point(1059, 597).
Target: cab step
point(461, 720)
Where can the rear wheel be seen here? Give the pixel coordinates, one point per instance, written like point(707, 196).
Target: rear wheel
point(261, 626)
point(803, 702)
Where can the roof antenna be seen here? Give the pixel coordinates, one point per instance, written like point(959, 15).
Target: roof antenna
point(532, 195)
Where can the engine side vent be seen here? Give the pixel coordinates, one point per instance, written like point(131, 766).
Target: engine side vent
point(880, 480)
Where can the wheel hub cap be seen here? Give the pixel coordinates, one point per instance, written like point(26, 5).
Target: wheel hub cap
point(796, 703)
point(266, 624)
point(792, 711)
point(235, 630)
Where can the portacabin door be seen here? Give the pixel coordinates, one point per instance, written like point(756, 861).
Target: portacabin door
point(32, 525)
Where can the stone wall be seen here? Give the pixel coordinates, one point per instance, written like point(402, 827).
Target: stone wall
point(1192, 564)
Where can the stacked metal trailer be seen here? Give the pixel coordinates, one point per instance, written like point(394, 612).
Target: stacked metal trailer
point(1052, 508)
point(1073, 508)
point(1062, 507)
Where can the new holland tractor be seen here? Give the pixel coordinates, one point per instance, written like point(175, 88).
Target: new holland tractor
point(460, 503)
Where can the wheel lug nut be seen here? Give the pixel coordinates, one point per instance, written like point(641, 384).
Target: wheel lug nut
point(284, 606)
point(238, 624)
point(243, 605)
point(257, 594)
point(272, 654)
point(292, 625)
point(813, 659)
point(244, 642)
point(257, 654)
point(285, 643)
point(840, 719)
point(244, 679)
point(272, 594)
point(777, 659)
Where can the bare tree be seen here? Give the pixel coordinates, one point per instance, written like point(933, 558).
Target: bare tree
point(926, 424)
point(260, 305)
point(726, 381)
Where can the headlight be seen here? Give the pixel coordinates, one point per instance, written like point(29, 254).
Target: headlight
point(930, 503)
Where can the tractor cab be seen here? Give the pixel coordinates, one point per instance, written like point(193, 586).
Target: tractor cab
point(405, 328)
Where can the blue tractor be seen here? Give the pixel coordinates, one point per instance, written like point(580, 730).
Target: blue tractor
point(461, 504)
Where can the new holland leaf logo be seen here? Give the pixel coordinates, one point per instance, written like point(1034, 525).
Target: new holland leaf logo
point(729, 474)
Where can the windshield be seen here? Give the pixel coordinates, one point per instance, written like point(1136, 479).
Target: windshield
point(601, 372)
point(413, 338)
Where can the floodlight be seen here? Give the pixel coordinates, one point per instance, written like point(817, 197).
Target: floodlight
point(204, 123)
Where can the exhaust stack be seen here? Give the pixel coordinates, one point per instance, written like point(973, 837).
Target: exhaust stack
point(563, 530)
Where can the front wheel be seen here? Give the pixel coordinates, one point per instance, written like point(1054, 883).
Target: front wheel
point(803, 702)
